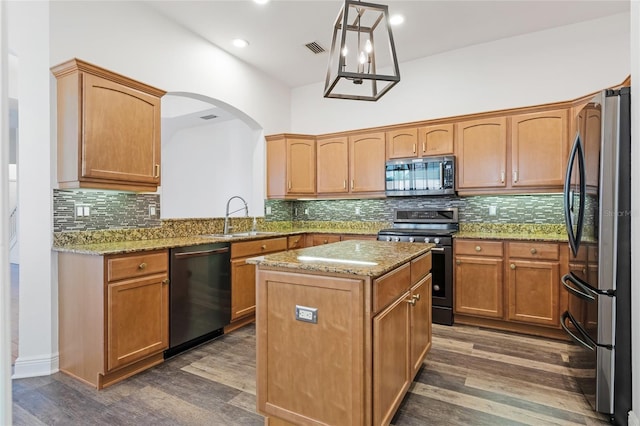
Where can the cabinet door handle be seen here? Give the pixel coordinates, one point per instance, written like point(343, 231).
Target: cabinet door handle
point(142, 266)
point(165, 281)
point(512, 266)
point(289, 184)
point(414, 148)
point(515, 176)
point(501, 177)
point(344, 184)
point(478, 248)
point(424, 147)
point(533, 251)
point(157, 174)
point(584, 271)
point(411, 301)
point(416, 296)
point(352, 183)
point(458, 262)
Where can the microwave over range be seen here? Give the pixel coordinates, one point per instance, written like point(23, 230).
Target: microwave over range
point(420, 176)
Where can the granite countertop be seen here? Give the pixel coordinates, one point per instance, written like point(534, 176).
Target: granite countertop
point(367, 258)
point(513, 231)
point(533, 236)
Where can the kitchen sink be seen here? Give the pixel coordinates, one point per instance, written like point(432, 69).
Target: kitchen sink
point(241, 234)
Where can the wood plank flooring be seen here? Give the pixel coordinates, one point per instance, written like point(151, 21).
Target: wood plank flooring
point(471, 376)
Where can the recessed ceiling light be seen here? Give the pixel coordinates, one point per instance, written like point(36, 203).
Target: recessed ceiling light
point(238, 42)
point(396, 19)
point(261, 1)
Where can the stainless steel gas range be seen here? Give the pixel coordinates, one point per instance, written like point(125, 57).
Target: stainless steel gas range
point(435, 226)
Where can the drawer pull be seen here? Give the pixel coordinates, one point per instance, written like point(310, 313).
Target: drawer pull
point(478, 248)
point(458, 262)
point(142, 266)
point(513, 266)
point(533, 251)
point(584, 271)
point(411, 301)
point(263, 247)
point(326, 242)
point(416, 296)
point(165, 281)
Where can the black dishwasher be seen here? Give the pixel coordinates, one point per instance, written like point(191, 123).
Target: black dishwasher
point(199, 295)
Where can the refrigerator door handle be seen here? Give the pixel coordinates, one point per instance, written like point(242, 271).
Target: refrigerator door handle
point(574, 236)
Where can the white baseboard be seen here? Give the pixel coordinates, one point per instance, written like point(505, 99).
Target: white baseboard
point(633, 419)
point(35, 366)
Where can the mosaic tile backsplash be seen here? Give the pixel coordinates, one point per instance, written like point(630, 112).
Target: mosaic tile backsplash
point(107, 210)
point(534, 209)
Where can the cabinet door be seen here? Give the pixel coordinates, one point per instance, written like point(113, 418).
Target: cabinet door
point(533, 292)
point(137, 319)
point(121, 132)
point(402, 143)
point(243, 288)
point(366, 162)
point(391, 367)
point(420, 323)
point(436, 140)
point(333, 165)
point(301, 166)
point(478, 286)
point(539, 149)
point(276, 167)
point(481, 149)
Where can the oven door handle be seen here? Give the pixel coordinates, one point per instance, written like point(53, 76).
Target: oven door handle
point(438, 249)
point(591, 344)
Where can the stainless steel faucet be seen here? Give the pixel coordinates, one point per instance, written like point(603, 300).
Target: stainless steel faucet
point(227, 213)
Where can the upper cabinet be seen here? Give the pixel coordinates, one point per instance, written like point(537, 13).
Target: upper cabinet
point(366, 163)
point(481, 151)
point(108, 129)
point(539, 149)
point(291, 166)
point(332, 160)
point(423, 141)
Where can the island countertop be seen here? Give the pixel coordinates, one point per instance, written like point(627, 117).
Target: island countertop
point(367, 258)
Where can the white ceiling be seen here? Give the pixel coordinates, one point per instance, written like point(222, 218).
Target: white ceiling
point(278, 31)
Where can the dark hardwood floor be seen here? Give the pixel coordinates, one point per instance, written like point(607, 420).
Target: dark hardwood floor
point(471, 377)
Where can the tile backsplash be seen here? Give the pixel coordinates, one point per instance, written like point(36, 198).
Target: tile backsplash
point(107, 210)
point(535, 209)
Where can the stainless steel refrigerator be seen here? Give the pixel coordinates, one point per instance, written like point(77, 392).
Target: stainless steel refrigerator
point(597, 203)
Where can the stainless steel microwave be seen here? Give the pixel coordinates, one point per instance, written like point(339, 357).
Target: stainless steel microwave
point(420, 176)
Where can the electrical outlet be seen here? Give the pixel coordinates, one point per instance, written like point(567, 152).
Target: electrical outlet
point(306, 314)
point(152, 210)
point(493, 210)
point(82, 210)
point(79, 211)
point(306, 211)
point(357, 211)
point(268, 209)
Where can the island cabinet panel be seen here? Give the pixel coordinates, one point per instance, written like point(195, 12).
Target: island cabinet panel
point(366, 163)
point(112, 328)
point(108, 129)
point(332, 164)
point(436, 140)
point(481, 151)
point(539, 149)
point(311, 373)
point(420, 336)
point(402, 143)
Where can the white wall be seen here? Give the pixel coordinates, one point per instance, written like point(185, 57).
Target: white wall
point(29, 39)
point(537, 68)
point(634, 418)
point(203, 166)
point(133, 39)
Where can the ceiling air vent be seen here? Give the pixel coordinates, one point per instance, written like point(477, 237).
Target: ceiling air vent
point(209, 117)
point(315, 47)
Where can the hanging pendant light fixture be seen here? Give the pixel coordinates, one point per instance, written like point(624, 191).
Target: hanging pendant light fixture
point(362, 40)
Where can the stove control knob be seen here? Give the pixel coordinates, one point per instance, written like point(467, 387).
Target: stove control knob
point(436, 287)
point(427, 239)
point(411, 239)
point(436, 240)
point(396, 239)
point(388, 238)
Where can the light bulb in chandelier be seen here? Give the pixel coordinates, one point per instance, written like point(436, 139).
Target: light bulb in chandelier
point(368, 47)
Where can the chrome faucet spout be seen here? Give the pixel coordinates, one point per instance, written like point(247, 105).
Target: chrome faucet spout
point(227, 213)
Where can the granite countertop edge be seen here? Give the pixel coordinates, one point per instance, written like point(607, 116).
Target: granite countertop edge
point(511, 236)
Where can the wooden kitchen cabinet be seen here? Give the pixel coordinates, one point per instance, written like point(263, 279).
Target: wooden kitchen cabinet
point(420, 336)
point(402, 143)
point(481, 153)
point(319, 239)
point(436, 139)
point(243, 275)
point(296, 241)
point(366, 164)
point(113, 314)
point(539, 149)
point(478, 278)
point(108, 129)
point(332, 165)
point(533, 283)
point(291, 166)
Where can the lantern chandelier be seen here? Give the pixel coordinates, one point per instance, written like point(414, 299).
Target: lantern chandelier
point(362, 39)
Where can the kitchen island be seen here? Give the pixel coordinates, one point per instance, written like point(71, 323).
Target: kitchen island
point(342, 329)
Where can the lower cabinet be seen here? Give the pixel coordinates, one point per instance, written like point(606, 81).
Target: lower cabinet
point(512, 285)
point(113, 314)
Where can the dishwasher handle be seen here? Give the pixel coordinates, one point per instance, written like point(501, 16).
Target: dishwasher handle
point(201, 253)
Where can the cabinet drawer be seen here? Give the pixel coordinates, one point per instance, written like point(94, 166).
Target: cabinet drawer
point(534, 250)
point(137, 265)
point(478, 247)
point(320, 239)
point(295, 241)
point(420, 267)
point(389, 287)
point(258, 247)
